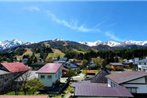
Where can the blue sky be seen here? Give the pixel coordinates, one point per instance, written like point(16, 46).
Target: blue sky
point(76, 21)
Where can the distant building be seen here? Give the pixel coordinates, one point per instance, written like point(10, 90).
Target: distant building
point(116, 66)
point(61, 60)
point(142, 65)
point(9, 72)
point(50, 73)
point(70, 65)
point(135, 82)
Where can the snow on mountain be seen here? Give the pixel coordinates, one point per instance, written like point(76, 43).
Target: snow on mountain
point(92, 43)
point(12, 43)
point(114, 43)
point(111, 43)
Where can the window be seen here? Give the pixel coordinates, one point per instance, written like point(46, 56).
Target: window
point(49, 76)
point(113, 84)
point(146, 79)
point(132, 89)
point(42, 76)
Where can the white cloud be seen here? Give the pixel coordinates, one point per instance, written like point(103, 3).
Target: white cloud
point(112, 36)
point(71, 24)
point(32, 8)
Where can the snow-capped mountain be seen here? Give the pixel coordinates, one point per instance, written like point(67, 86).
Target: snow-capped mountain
point(114, 43)
point(12, 43)
point(96, 43)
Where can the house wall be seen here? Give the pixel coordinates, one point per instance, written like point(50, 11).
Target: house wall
point(50, 79)
point(140, 84)
point(142, 67)
point(140, 88)
point(48, 82)
point(112, 83)
point(6, 79)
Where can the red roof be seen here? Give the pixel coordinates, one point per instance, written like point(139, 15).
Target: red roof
point(15, 67)
point(50, 68)
point(22, 96)
point(126, 76)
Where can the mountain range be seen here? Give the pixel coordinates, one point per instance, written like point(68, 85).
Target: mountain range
point(97, 44)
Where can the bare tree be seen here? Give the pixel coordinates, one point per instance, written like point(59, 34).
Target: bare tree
point(22, 80)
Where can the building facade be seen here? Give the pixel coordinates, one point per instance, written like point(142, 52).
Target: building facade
point(50, 73)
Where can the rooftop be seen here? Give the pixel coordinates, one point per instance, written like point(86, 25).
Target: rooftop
point(15, 67)
point(95, 90)
point(50, 68)
point(100, 77)
point(142, 61)
point(22, 96)
point(122, 77)
point(116, 64)
point(3, 72)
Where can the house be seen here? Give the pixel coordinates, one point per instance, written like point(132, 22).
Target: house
point(99, 90)
point(61, 60)
point(9, 72)
point(50, 73)
point(134, 81)
point(22, 96)
point(90, 74)
point(100, 77)
point(70, 65)
point(91, 65)
point(116, 66)
point(142, 65)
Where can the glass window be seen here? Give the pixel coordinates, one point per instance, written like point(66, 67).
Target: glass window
point(132, 89)
point(42, 76)
point(49, 76)
point(146, 79)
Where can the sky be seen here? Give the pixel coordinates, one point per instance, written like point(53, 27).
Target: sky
point(76, 21)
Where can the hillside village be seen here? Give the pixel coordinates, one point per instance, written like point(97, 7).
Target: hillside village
point(73, 49)
point(62, 75)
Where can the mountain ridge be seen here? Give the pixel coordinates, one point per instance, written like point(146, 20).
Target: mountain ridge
point(106, 44)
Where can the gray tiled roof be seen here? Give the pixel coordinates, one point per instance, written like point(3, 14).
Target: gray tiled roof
point(101, 91)
point(126, 76)
point(100, 77)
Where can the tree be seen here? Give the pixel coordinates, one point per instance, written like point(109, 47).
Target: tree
point(34, 85)
point(84, 63)
point(24, 78)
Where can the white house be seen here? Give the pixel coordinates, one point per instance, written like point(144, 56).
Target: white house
point(142, 65)
point(50, 73)
point(134, 81)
